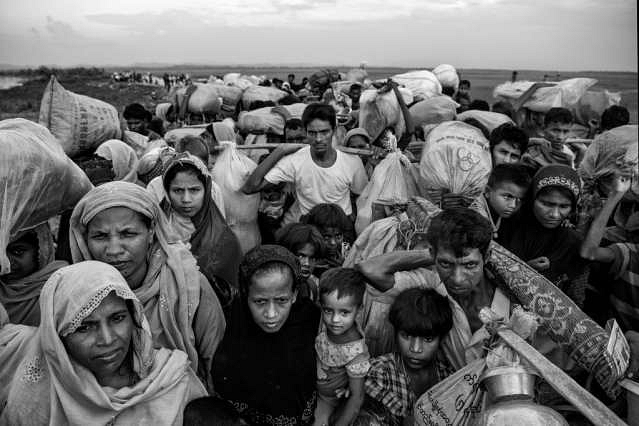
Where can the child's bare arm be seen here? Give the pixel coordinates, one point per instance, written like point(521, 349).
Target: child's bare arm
point(354, 402)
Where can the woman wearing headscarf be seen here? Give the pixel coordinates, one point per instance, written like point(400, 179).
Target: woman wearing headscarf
point(266, 365)
point(91, 361)
point(123, 158)
point(538, 235)
point(190, 208)
point(119, 223)
point(32, 262)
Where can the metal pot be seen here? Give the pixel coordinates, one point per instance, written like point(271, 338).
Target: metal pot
point(510, 400)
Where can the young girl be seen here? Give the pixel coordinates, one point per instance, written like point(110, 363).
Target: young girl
point(342, 355)
point(338, 232)
point(305, 242)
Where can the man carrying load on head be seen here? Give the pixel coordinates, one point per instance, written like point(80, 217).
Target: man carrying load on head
point(320, 173)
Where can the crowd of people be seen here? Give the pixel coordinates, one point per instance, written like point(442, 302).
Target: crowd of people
point(143, 305)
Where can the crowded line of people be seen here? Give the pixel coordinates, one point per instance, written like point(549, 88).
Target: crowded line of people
point(147, 304)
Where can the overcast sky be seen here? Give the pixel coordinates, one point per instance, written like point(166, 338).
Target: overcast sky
point(510, 34)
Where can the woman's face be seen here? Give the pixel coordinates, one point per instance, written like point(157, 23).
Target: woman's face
point(23, 255)
point(120, 237)
point(186, 194)
point(102, 341)
point(270, 298)
point(306, 256)
point(551, 208)
point(333, 237)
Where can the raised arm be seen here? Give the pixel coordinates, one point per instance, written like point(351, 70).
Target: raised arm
point(256, 182)
point(380, 270)
point(590, 247)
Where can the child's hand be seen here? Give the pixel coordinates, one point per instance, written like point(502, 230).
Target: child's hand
point(342, 393)
point(540, 263)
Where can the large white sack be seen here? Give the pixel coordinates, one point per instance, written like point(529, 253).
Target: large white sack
point(433, 111)
point(564, 94)
point(377, 111)
point(231, 95)
point(261, 120)
point(456, 159)
point(390, 183)
point(261, 93)
point(511, 90)
point(447, 75)
point(231, 78)
point(80, 123)
point(231, 170)
point(423, 84)
point(356, 75)
point(138, 142)
point(37, 180)
point(205, 99)
point(490, 120)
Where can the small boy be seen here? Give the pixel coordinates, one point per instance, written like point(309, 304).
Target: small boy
point(305, 242)
point(421, 318)
point(552, 148)
point(506, 188)
point(507, 143)
point(342, 354)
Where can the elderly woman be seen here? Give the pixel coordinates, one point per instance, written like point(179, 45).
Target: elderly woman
point(187, 202)
point(265, 365)
point(31, 255)
point(92, 359)
point(119, 223)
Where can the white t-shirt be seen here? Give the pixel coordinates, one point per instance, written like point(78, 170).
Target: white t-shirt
point(316, 185)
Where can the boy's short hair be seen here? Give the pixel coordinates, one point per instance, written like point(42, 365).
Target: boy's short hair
point(614, 116)
point(346, 281)
point(319, 111)
point(517, 174)
point(328, 215)
point(211, 410)
point(464, 83)
point(510, 133)
point(421, 312)
point(293, 124)
point(459, 229)
point(558, 115)
point(194, 145)
point(294, 236)
point(479, 104)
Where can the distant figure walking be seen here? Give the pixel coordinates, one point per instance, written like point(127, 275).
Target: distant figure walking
point(513, 78)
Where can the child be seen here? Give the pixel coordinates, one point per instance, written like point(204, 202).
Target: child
point(506, 188)
point(305, 242)
point(507, 143)
point(552, 149)
point(274, 203)
point(336, 228)
point(421, 318)
point(342, 355)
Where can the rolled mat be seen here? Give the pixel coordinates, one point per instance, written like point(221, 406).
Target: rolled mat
point(567, 325)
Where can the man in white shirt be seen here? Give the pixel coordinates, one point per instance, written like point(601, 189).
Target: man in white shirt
point(319, 173)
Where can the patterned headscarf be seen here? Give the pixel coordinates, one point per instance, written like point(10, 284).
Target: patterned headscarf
point(261, 255)
point(557, 175)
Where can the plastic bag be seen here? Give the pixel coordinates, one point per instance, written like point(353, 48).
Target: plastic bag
point(447, 75)
point(422, 84)
point(80, 123)
point(490, 120)
point(390, 183)
point(261, 120)
point(138, 142)
point(231, 170)
point(453, 401)
point(455, 159)
point(592, 104)
point(356, 75)
point(261, 93)
point(433, 111)
point(381, 110)
point(37, 180)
